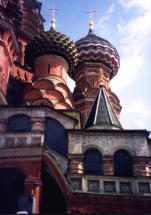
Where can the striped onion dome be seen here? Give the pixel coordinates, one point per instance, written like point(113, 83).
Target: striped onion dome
point(52, 42)
point(95, 49)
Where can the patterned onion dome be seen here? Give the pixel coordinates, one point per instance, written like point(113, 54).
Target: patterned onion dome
point(51, 42)
point(95, 49)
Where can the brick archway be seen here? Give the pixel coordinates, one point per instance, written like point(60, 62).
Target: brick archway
point(57, 174)
point(55, 190)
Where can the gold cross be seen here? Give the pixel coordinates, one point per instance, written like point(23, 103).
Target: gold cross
point(53, 9)
point(91, 12)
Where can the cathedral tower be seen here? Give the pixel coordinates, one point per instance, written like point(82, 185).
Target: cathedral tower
point(52, 56)
point(98, 60)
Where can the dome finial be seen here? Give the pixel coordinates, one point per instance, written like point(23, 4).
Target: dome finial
point(53, 20)
point(91, 22)
point(101, 78)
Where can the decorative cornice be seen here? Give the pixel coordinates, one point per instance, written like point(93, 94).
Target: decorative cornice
point(21, 153)
point(9, 28)
point(2, 43)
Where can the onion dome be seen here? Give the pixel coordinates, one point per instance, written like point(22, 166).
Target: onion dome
point(52, 42)
point(96, 49)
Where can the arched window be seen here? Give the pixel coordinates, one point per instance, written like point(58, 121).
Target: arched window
point(19, 122)
point(122, 163)
point(93, 162)
point(56, 136)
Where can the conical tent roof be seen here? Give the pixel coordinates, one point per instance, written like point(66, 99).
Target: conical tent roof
point(102, 115)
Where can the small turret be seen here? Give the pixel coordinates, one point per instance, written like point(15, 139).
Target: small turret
point(98, 59)
point(52, 56)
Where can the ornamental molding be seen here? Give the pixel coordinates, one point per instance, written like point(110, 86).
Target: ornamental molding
point(3, 44)
point(9, 28)
point(21, 153)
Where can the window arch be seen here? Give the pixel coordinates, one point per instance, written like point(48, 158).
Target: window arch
point(93, 162)
point(122, 163)
point(19, 122)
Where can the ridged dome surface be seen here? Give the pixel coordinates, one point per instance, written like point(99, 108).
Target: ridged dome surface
point(96, 49)
point(52, 42)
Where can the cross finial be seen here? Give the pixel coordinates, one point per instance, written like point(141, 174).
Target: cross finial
point(53, 20)
point(91, 23)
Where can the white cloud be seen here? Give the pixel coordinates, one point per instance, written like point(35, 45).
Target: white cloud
point(138, 4)
point(101, 24)
point(137, 115)
point(134, 37)
point(134, 41)
point(138, 106)
point(111, 9)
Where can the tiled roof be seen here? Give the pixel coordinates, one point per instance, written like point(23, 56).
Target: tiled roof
point(52, 42)
point(102, 115)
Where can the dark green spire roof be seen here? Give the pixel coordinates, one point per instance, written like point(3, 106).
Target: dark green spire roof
point(102, 115)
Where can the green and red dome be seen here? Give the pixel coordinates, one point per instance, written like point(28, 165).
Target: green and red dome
point(96, 49)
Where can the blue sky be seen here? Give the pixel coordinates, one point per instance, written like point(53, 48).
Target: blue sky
point(126, 24)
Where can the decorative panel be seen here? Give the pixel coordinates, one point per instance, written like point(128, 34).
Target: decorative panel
point(9, 141)
point(36, 141)
point(144, 187)
point(93, 186)
point(21, 141)
point(109, 187)
point(125, 187)
point(76, 184)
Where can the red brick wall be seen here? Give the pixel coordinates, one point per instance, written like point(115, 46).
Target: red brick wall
point(90, 203)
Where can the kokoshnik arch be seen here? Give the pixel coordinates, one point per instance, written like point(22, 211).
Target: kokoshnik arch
point(64, 152)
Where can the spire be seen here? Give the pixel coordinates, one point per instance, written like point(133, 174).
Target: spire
point(53, 20)
point(102, 115)
point(91, 22)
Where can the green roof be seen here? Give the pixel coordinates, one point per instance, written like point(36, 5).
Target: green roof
point(102, 115)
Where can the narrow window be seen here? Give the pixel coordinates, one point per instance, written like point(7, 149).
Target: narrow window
point(19, 122)
point(49, 69)
point(122, 163)
point(93, 162)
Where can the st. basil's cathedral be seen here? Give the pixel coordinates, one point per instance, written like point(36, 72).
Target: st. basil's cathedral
point(61, 151)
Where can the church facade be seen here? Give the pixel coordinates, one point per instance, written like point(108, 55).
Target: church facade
point(63, 151)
